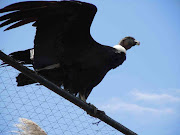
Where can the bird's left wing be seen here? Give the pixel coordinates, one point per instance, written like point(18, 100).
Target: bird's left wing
point(65, 22)
point(29, 11)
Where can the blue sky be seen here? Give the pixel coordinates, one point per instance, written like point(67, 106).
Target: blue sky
point(144, 92)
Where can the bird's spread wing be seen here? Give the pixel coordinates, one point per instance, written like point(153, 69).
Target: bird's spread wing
point(23, 13)
point(29, 11)
point(63, 28)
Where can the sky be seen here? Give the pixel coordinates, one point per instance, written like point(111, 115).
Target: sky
point(144, 92)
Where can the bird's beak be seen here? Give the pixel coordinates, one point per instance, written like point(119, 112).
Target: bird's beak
point(137, 42)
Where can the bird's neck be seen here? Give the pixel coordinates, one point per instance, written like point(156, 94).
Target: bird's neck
point(120, 48)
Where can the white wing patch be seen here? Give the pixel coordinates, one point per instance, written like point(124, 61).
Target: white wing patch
point(49, 67)
point(32, 54)
point(120, 49)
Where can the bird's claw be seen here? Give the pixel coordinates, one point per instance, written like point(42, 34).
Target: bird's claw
point(95, 110)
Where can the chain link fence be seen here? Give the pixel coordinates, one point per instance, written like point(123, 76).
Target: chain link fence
point(52, 113)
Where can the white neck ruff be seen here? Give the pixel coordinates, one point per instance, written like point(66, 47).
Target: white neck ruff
point(120, 48)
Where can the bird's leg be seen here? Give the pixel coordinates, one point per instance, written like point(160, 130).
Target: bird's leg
point(82, 97)
point(95, 110)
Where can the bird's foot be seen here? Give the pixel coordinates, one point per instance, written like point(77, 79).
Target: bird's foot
point(95, 110)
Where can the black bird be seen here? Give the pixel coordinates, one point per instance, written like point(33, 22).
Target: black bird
point(64, 51)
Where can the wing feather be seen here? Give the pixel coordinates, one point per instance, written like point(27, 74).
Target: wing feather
point(19, 15)
point(23, 10)
point(26, 5)
point(20, 23)
point(25, 16)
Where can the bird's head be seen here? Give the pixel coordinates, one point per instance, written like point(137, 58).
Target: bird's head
point(128, 42)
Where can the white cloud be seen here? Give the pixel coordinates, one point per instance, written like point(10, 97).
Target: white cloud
point(155, 97)
point(116, 105)
point(142, 103)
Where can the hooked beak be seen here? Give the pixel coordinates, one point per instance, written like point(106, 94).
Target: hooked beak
point(137, 42)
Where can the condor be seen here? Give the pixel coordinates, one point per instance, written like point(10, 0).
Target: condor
point(64, 51)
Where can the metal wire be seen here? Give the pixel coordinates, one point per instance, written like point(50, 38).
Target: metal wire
point(48, 108)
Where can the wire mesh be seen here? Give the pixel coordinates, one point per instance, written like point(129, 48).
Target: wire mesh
point(51, 112)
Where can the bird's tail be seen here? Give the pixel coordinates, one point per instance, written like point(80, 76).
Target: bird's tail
point(22, 57)
point(22, 80)
point(28, 127)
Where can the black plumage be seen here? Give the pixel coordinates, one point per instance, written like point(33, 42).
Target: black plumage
point(64, 51)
